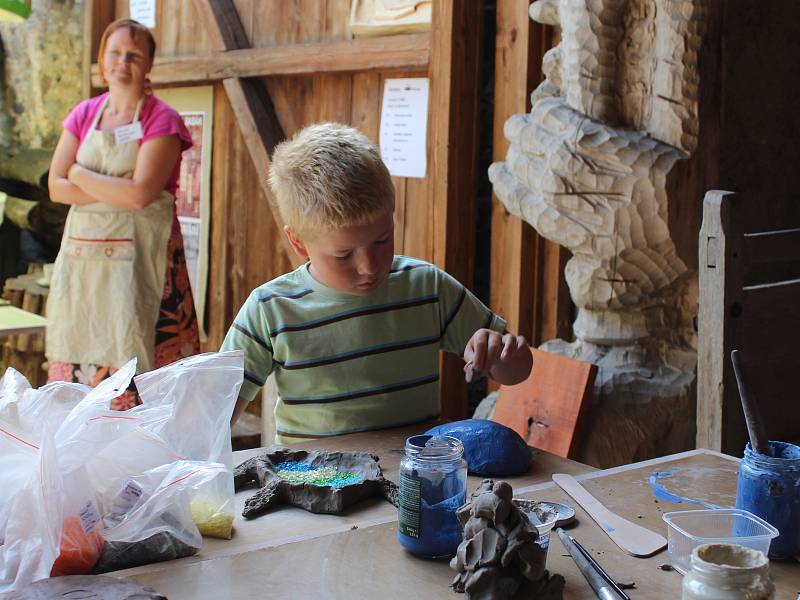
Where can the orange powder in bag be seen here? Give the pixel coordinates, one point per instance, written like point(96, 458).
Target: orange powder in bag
point(79, 551)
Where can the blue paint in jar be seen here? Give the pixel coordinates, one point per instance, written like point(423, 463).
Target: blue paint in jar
point(769, 487)
point(433, 484)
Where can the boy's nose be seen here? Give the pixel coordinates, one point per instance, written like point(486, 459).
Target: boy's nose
point(367, 265)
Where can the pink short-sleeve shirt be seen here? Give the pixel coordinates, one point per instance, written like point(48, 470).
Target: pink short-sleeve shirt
point(158, 119)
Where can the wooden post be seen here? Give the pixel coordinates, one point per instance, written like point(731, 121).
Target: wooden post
point(715, 258)
point(455, 85)
point(249, 98)
point(527, 281)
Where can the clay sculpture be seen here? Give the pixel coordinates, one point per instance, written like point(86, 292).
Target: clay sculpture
point(501, 557)
point(320, 482)
point(490, 449)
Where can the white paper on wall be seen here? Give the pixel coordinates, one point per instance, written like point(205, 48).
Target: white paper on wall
point(404, 121)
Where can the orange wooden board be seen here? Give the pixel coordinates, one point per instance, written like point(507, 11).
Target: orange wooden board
point(546, 409)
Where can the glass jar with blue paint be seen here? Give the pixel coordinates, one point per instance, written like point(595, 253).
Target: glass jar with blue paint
point(433, 484)
point(769, 487)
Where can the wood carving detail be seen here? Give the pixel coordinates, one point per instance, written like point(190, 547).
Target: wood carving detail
point(588, 167)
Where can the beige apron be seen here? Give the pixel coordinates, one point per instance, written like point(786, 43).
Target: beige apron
point(108, 279)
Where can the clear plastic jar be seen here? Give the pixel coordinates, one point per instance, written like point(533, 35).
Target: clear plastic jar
point(727, 572)
point(433, 484)
point(769, 487)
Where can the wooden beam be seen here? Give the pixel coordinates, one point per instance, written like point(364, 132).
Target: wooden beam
point(249, 98)
point(517, 72)
point(527, 281)
point(404, 52)
point(454, 107)
point(97, 15)
point(87, 68)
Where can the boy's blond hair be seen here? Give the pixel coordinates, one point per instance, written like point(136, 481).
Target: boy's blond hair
point(329, 176)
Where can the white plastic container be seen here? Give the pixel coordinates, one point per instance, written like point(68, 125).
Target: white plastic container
point(541, 516)
point(688, 529)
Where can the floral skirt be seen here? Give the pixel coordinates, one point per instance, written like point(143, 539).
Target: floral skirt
point(177, 335)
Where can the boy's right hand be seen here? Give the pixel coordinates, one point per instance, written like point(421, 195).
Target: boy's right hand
point(489, 352)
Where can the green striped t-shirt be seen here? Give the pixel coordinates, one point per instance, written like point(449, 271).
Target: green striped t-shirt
point(345, 363)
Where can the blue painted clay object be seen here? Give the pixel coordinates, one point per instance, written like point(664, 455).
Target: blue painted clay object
point(769, 487)
point(491, 449)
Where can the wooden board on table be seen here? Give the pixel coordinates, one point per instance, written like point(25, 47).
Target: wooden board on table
point(547, 408)
point(632, 538)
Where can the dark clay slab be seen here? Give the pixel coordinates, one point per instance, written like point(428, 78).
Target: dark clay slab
point(96, 587)
point(262, 471)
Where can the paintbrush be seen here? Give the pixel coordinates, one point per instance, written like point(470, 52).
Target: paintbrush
point(752, 416)
point(597, 582)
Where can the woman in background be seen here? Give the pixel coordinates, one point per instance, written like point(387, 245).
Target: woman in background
point(120, 286)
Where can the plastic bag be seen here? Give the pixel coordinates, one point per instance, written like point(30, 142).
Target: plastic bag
point(30, 508)
point(158, 525)
point(212, 506)
point(202, 392)
point(12, 386)
point(86, 488)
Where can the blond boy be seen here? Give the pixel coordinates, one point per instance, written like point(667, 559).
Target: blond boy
point(353, 336)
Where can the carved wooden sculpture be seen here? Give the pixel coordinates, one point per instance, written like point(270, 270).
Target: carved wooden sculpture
point(587, 168)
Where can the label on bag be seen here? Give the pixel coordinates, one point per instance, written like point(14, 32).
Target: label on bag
point(128, 133)
point(129, 494)
point(89, 517)
point(408, 516)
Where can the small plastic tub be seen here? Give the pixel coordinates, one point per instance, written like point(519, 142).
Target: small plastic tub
point(541, 515)
point(688, 529)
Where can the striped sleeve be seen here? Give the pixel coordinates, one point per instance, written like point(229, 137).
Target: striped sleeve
point(461, 314)
point(250, 332)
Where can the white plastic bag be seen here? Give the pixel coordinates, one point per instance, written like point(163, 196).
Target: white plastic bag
point(81, 484)
point(202, 392)
point(158, 525)
point(30, 508)
point(12, 386)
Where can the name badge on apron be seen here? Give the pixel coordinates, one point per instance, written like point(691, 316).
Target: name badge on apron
point(128, 133)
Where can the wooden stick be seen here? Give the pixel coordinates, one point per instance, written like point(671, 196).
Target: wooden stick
point(752, 416)
point(632, 538)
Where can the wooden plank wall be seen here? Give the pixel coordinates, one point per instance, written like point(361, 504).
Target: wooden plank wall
point(527, 271)
point(244, 249)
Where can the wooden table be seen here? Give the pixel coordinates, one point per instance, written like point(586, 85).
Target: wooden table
point(15, 321)
point(24, 349)
point(289, 553)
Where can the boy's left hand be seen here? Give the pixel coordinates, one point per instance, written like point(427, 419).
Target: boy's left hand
point(505, 357)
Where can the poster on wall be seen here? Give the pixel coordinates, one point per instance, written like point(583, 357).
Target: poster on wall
point(143, 11)
point(192, 198)
point(404, 119)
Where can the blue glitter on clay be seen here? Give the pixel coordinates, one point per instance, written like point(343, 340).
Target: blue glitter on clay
point(298, 472)
point(294, 466)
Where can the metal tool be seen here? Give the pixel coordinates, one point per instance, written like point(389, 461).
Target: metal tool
point(468, 374)
point(597, 582)
point(600, 569)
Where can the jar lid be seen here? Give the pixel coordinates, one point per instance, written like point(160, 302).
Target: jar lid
point(434, 447)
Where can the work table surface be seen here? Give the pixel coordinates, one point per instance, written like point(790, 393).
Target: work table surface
point(290, 553)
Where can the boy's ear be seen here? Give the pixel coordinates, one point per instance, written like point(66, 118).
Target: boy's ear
point(297, 245)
